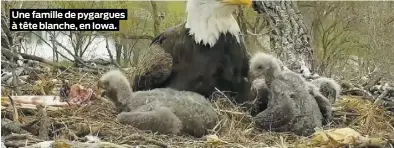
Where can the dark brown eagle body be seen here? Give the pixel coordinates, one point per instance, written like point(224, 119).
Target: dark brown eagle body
point(201, 68)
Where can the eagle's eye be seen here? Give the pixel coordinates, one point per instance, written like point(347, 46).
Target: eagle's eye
point(259, 67)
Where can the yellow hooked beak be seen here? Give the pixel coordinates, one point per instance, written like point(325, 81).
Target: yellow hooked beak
point(238, 2)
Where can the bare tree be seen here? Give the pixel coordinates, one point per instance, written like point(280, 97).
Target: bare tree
point(331, 25)
point(289, 37)
point(378, 39)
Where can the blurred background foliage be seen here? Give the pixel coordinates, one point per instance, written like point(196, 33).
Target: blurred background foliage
point(350, 39)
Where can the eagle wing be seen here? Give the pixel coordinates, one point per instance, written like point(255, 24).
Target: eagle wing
point(157, 63)
point(153, 68)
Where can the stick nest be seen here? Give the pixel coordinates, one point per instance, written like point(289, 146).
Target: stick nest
point(235, 128)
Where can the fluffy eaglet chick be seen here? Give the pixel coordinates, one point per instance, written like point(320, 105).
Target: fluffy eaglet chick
point(163, 110)
point(257, 71)
point(328, 87)
point(322, 101)
point(259, 89)
point(290, 106)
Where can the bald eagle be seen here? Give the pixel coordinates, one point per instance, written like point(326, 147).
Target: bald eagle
point(207, 52)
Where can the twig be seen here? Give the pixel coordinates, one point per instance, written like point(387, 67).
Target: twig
point(372, 83)
point(51, 46)
point(20, 140)
point(235, 113)
point(346, 114)
point(75, 57)
point(147, 37)
point(15, 115)
point(111, 56)
point(36, 58)
point(358, 92)
point(384, 94)
point(231, 102)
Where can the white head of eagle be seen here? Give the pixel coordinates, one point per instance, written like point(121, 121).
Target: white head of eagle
point(207, 19)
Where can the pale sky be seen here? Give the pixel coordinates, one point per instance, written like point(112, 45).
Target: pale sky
point(96, 49)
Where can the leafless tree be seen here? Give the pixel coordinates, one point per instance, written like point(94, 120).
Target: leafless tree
point(289, 37)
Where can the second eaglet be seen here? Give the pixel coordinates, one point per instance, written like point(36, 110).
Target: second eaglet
point(293, 104)
point(162, 110)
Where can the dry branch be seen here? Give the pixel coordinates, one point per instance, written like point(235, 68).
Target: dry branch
point(147, 37)
point(110, 54)
point(8, 63)
point(15, 115)
point(20, 140)
point(386, 91)
point(358, 92)
point(8, 126)
point(36, 58)
point(44, 122)
point(9, 54)
point(39, 59)
point(79, 60)
point(52, 46)
point(372, 83)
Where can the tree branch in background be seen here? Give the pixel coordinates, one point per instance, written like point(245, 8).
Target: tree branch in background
point(53, 45)
point(75, 57)
point(55, 53)
point(137, 37)
point(110, 54)
point(90, 41)
point(156, 20)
